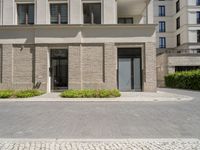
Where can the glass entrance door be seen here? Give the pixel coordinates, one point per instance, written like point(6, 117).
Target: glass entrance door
point(129, 74)
point(129, 69)
point(59, 69)
point(125, 80)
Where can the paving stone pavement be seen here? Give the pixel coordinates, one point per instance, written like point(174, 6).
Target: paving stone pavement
point(137, 144)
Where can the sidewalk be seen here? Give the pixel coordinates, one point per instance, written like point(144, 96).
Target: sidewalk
point(126, 96)
point(128, 144)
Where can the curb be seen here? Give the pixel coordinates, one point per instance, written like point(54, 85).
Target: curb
point(101, 140)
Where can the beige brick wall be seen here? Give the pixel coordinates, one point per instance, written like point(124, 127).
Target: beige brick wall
point(74, 72)
point(162, 69)
point(41, 66)
point(150, 81)
point(166, 64)
point(17, 68)
point(20, 67)
point(7, 63)
point(23, 64)
point(1, 53)
point(92, 64)
point(183, 60)
point(110, 65)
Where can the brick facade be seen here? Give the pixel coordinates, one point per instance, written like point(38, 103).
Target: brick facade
point(161, 66)
point(74, 69)
point(90, 66)
point(150, 67)
point(93, 66)
point(23, 64)
point(41, 66)
point(166, 63)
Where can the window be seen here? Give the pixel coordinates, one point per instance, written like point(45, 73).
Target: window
point(25, 13)
point(92, 13)
point(198, 36)
point(197, 2)
point(196, 51)
point(162, 42)
point(178, 40)
point(198, 17)
point(161, 10)
point(177, 6)
point(125, 20)
point(178, 23)
point(162, 26)
point(59, 13)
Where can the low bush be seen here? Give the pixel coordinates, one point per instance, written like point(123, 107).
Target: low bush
point(28, 93)
point(184, 80)
point(90, 93)
point(19, 94)
point(6, 93)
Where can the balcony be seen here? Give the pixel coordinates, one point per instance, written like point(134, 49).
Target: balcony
point(140, 10)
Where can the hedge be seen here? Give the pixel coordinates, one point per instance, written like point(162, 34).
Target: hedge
point(20, 94)
point(6, 93)
point(184, 80)
point(28, 93)
point(90, 93)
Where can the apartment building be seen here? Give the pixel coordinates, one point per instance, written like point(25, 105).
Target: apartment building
point(77, 44)
point(178, 36)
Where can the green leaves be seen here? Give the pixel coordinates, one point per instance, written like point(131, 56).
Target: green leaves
point(6, 93)
point(28, 93)
point(91, 93)
point(20, 94)
point(184, 80)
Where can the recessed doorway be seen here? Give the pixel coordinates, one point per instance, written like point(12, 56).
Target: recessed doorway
point(129, 69)
point(59, 69)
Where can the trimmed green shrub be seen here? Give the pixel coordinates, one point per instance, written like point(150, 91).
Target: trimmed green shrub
point(184, 80)
point(6, 93)
point(28, 93)
point(90, 93)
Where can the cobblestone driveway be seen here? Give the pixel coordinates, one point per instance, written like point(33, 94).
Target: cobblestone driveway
point(173, 144)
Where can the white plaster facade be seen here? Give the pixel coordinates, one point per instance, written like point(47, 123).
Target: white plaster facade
point(187, 53)
point(188, 23)
point(111, 9)
point(105, 37)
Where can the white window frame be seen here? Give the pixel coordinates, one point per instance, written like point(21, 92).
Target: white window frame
point(59, 2)
point(91, 2)
point(25, 2)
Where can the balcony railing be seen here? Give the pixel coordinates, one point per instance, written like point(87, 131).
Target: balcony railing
point(184, 52)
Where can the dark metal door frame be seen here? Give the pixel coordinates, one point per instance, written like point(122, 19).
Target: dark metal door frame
point(132, 70)
point(59, 59)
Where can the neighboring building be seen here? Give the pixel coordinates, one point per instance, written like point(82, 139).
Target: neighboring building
point(77, 44)
point(178, 36)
